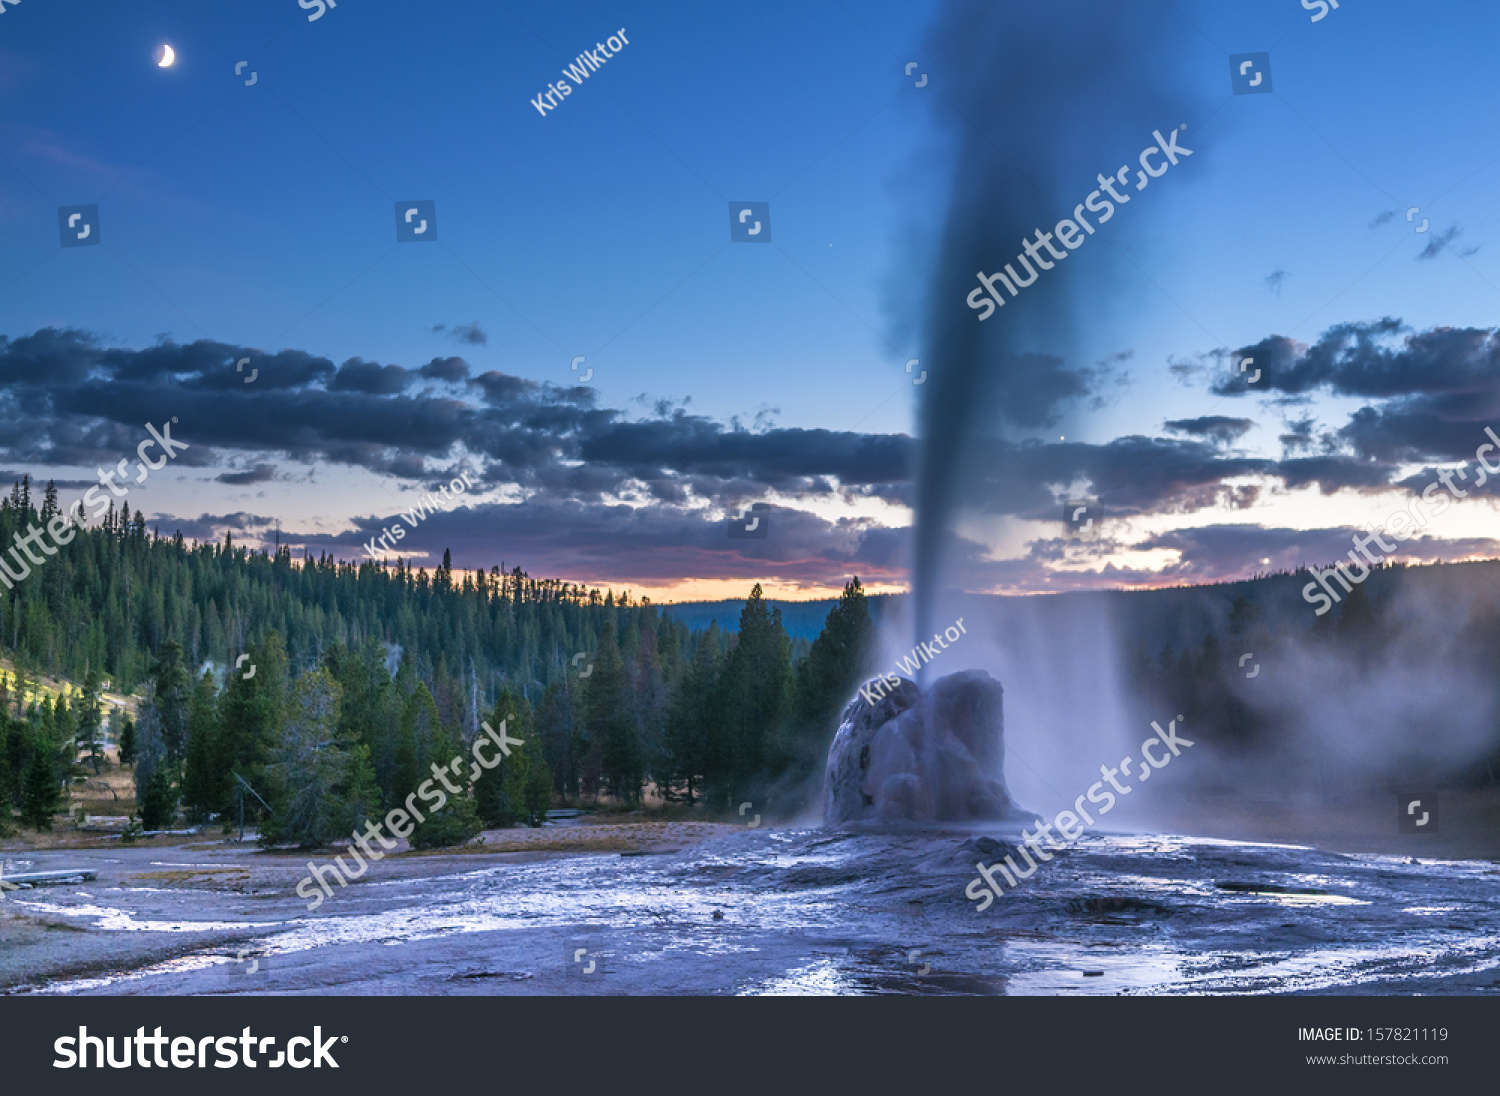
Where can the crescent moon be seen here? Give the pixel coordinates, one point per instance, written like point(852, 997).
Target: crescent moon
point(168, 55)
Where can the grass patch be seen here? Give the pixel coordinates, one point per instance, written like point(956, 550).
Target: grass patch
point(600, 843)
point(185, 876)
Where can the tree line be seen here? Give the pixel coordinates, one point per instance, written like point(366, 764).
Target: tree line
point(1233, 691)
point(302, 697)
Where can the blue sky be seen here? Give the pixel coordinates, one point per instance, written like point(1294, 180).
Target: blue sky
point(262, 218)
point(584, 221)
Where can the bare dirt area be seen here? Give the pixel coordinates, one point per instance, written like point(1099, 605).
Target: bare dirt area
point(627, 838)
point(110, 793)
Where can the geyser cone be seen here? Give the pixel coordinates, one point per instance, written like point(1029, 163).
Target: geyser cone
point(902, 755)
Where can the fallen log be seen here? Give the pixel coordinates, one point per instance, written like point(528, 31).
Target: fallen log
point(47, 878)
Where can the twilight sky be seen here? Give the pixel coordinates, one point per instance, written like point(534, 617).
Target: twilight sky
point(260, 221)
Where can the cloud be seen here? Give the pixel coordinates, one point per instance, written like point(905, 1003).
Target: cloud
point(445, 369)
point(64, 399)
point(1378, 359)
point(651, 545)
point(560, 441)
point(1218, 553)
point(1219, 428)
point(1299, 438)
point(1185, 372)
point(471, 334)
point(259, 474)
point(1334, 472)
point(212, 527)
point(1431, 393)
point(1131, 475)
point(1438, 242)
point(357, 375)
point(604, 494)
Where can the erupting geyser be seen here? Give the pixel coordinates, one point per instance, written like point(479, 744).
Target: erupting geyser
point(915, 757)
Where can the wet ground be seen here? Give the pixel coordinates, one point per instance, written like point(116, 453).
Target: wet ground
point(766, 911)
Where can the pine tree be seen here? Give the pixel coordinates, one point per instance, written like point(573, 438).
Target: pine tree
point(406, 763)
point(557, 726)
point(420, 743)
point(832, 670)
point(611, 723)
point(499, 793)
point(459, 819)
point(534, 786)
point(1244, 614)
point(158, 800)
point(172, 693)
point(205, 772)
point(324, 787)
point(251, 716)
point(456, 823)
point(368, 710)
point(689, 719)
point(755, 699)
point(127, 742)
point(155, 783)
point(649, 695)
point(7, 779)
point(64, 732)
point(90, 719)
point(43, 786)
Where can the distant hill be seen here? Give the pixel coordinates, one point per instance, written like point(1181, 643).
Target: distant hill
point(802, 619)
point(1178, 616)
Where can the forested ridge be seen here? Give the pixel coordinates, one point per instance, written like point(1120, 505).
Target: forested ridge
point(308, 694)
